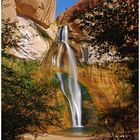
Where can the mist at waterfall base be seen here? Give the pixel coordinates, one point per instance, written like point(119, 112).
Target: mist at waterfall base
point(71, 90)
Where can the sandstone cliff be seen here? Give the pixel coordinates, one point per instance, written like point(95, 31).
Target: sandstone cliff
point(9, 10)
point(30, 44)
point(33, 32)
point(103, 84)
point(42, 11)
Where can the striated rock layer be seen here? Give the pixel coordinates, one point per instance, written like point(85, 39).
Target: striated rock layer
point(30, 44)
point(35, 27)
point(102, 84)
point(9, 10)
point(42, 11)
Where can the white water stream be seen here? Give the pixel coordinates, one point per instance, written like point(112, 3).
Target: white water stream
point(73, 92)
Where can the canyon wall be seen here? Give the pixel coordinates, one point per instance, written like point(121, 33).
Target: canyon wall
point(33, 30)
point(104, 86)
point(9, 10)
point(42, 11)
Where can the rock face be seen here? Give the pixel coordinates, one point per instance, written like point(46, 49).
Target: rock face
point(102, 85)
point(42, 11)
point(9, 10)
point(31, 44)
point(71, 13)
point(36, 33)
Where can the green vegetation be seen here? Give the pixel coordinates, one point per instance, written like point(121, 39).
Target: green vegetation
point(10, 38)
point(113, 23)
point(25, 102)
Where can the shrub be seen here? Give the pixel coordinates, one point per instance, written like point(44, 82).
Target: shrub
point(25, 102)
point(10, 34)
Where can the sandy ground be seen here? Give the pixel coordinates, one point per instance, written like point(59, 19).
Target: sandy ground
point(56, 137)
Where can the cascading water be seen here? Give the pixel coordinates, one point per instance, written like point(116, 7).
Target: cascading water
point(72, 91)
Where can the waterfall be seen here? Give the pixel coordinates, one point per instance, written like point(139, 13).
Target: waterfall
point(72, 91)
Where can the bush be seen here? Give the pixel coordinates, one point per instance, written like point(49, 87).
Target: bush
point(24, 101)
point(10, 34)
point(120, 121)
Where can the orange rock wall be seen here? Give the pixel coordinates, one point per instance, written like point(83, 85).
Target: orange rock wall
point(102, 84)
point(9, 10)
point(42, 11)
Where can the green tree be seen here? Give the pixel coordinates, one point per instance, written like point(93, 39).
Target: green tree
point(25, 101)
point(114, 22)
point(120, 122)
